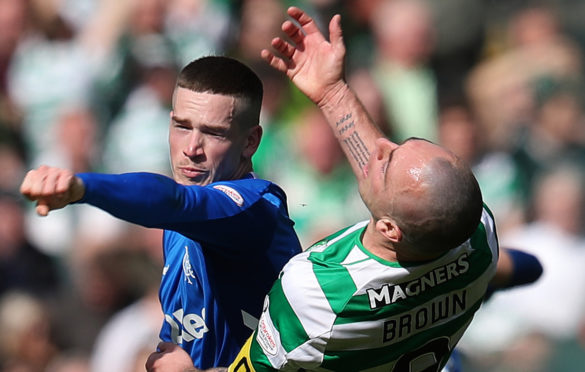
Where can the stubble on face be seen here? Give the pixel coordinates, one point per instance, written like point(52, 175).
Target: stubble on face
point(203, 137)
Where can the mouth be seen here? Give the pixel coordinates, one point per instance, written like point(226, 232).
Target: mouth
point(191, 172)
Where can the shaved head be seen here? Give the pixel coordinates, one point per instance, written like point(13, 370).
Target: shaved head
point(446, 212)
point(432, 195)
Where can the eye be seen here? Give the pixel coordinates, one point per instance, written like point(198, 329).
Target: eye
point(215, 133)
point(181, 126)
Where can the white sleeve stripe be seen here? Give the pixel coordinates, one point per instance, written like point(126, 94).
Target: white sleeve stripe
point(301, 287)
point(355, 227)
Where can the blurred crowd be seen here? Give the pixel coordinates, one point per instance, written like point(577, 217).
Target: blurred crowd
point(87, 84)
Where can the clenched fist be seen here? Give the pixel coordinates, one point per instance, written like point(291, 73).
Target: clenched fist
point(52, 188)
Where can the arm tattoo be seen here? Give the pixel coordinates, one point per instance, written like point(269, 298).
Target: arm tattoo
point(354, 143)
point(357, 149)
point(346, 127)
point(345, 118)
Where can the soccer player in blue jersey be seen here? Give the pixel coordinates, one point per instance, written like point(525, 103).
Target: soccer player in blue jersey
point(227, 234)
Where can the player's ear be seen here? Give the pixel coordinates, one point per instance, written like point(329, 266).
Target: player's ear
point(389, 229)
point(252, 141)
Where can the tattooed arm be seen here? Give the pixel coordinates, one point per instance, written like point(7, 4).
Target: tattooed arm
point(316, 67)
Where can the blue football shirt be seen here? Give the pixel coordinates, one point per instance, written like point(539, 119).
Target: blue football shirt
point(224, 245)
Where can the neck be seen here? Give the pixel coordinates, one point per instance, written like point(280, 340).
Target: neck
point(244, 168)
point(377, 244)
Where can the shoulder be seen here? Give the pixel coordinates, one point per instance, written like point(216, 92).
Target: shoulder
point(244, 185)
point(487, 228)
point(253, 189)
point(346, 235)
point(323, 272)
point(240, 191)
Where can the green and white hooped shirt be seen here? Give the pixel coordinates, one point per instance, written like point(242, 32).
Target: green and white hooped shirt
point(337, 307)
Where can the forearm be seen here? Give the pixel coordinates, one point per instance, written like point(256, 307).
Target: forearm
point(146, 199)
point(353, 127)
point(516, 268)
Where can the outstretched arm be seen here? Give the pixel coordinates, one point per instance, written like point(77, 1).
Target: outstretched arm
point(316, 66)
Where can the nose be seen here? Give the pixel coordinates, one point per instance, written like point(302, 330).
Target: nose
point(383, 147)
point(194, 146)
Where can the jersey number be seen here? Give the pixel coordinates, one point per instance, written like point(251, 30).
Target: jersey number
point(427, 358)
point(242, 366)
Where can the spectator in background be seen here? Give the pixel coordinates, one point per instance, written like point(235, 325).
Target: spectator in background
point(26, 343)
point(12, 158)
point(14, 23)
point(460, 32)
point(198, 28)
point(500, 87)
point(65, 59)
point(138, 24)
point(556, 133)
point(259, 21)
point(101, 283)
point(536, 328)
point(404, 41)
point(310, 166)
point(69, 362)
point(120, 342)
point(319, 182)
point(49, 56)
point(146, 107)
point(22, 266)
point(78, 139)
point(359, 38)
point(52, 329)
point(77, 145)
point(321, 192)
point(497, 173)
point(275, 117)
point(362, 82)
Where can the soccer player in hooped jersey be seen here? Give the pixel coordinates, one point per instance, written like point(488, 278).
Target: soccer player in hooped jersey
point(396, 292)
point(227, 233)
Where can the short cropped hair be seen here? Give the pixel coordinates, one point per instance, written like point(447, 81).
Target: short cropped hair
point(454, 208)
point(226, 76)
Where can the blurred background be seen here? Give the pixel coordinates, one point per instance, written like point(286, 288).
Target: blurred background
point(86, 84)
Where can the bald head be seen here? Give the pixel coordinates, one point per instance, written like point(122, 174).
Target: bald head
point(431, 195)
point(449, 208)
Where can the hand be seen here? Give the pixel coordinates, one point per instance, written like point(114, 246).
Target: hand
point(313, 64)
point(170, 358)
point(52, 188)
